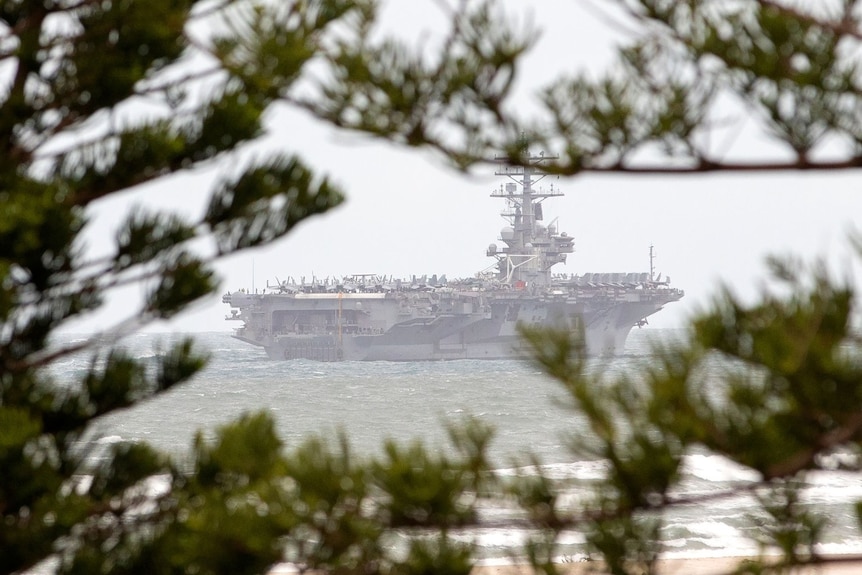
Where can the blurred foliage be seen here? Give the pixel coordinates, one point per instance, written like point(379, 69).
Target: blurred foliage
point(98, 98)
point(774, 386)
point(695, 73)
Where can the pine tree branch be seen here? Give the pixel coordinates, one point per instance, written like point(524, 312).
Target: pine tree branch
point(709, 166)
point(848, 25)
point(848, 430)
point(45, 357)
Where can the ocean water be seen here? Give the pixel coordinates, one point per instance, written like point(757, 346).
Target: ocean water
point(372, 401)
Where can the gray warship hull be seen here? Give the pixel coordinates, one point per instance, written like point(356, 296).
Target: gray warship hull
point(407, 326)
point(368, 317)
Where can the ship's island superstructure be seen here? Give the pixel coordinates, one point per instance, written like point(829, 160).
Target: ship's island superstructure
point(370, 317)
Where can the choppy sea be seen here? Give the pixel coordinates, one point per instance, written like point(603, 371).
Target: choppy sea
point(371, 401)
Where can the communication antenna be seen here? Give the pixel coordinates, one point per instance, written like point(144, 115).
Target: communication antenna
point(651, 262)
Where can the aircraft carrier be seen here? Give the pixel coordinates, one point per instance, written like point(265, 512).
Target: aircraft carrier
point(370, 317)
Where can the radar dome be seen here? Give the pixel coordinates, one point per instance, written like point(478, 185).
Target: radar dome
point(507, 233)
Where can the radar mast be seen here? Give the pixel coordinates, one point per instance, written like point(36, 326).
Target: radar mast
point(532, 248)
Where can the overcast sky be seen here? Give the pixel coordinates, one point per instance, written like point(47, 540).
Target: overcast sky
point(407, 213)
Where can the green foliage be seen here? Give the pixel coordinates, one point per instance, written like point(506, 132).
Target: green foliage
point(249, 503)
point(422, 489)
point(252, 210)
point(790, 66)
point(774, 386)
point(98, 98)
